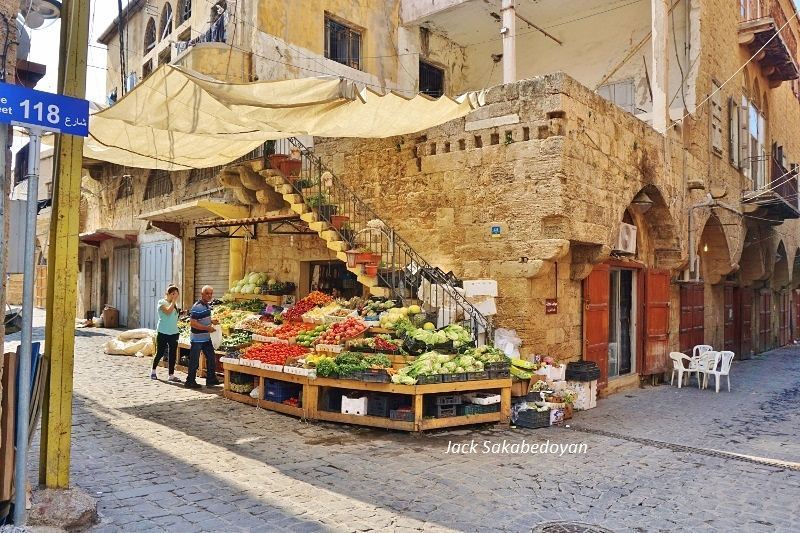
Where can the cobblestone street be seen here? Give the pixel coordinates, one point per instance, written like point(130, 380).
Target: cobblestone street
point(659, 459)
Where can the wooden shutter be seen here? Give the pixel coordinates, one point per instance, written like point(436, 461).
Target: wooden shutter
point(733, 133)
point(744, 136)
point(596, 291)
point(716, 119)
point(730, 337)
point(692, 320)
point(211, 264)
point(656, 343)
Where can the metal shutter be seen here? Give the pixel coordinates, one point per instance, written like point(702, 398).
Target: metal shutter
point(211, 260)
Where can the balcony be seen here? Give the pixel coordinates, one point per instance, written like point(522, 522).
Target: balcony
point(761, 23)
point(780, 201)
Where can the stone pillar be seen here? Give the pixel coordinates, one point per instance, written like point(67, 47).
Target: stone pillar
point(509, 41)
point(660, 76)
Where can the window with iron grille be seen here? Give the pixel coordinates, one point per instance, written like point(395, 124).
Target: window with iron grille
point(186, 10)
point(431, 79)
point(150, 35)
point(125, 188)
point(342, 43)
point(158, 184)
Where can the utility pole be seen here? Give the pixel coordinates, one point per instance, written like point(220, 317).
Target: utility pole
point(62, 271)
point(509, 32)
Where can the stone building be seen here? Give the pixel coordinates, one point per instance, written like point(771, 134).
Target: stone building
point(634, 166)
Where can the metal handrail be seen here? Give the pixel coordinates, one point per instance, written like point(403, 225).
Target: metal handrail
point(408, 270)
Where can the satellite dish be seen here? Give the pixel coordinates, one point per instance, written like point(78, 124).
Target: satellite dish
point(37, 11)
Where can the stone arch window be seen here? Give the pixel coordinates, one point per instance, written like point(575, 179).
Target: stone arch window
point(158, 184)
point(150, 35)
point(186, 10)
point(166, 21)
point(125, 187)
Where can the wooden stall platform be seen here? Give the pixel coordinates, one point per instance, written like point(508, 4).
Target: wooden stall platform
point(313, 388)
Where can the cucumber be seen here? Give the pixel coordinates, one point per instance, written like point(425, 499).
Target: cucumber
point(521, 363)
point(519, 373)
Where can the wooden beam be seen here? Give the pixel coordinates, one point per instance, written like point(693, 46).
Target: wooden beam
point(62, 276)
point(224, 210)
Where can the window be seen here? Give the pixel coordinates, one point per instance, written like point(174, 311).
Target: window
point(753, 140)
point(158, 184)
point(342, 43)
point(125, 187)
point(431, 79)
point(166, 21)
point(147, 68)
point(621, 93)
point(186, 10)
point(734, 150)
point(716, 118)
point(150, 35)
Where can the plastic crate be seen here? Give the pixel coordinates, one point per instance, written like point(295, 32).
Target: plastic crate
point(468, 409)
point(429, 379)
point(452, 378)
point(279, 391)
point(500, 374)
point(402, 415)
point(374, 375)
point(533, 419)
point(474, 376)
point(501, 365)
point(447, 399)
point(445, 411)
point(332, 401)
point(356, 376)
point(378, 405)
point(582, 371)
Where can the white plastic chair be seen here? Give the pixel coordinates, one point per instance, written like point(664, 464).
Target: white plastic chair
point(698, 350)
point(708, 361)
point(677, 366)
point(724, 370)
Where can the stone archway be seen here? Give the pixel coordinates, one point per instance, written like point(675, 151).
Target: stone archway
point(714, 252)
point(781, 275)
point(658, 243)
point(753, 263)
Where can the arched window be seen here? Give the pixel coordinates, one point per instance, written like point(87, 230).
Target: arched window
point(150, 35)
point(166, 21)
point(158, 184)
point(186, 10)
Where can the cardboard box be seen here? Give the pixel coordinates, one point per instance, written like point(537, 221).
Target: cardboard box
point(586, 392)
point(484, 304)
point(110, 318)
point(480, 287)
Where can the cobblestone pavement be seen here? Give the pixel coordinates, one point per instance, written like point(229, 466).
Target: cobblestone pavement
point(658, 459)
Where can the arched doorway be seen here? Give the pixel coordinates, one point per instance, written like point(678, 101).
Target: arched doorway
point(781, 279)
point(627, 297)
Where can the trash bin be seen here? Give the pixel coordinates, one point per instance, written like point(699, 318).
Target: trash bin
point(110, 317)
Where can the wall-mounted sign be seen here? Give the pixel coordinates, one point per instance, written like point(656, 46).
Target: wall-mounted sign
point(551, 306)
point(51, 112)
point(496, 230)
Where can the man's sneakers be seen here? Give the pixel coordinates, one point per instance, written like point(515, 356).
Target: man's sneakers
point(153, 375)
point(192, 385)
point(174, 379)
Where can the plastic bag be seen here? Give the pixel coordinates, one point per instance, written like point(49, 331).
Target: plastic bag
point(255, 393)
point(508, 341)
point(216, 337)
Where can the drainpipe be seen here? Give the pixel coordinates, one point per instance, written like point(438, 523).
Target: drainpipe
point(509, 33)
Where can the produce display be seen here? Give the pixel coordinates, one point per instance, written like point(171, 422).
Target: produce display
point(236, 340)
point(291, 330)
point(350, 363)
point(434, 362)
point(487, 354)
point(455, 333)
point(274, 354)
point(373, 308)
point(380, 343)
point(309, 337)
point(319, 313)
point(341, 331)
point(298, 310)
point(318, 298)
point(251, 306)
point(228, 318)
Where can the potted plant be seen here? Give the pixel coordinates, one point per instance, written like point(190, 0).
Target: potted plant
point(352, 257)
point(321, 203)
point(364, 256)
point(347, 233)
point(371, 270)
point(337, 221)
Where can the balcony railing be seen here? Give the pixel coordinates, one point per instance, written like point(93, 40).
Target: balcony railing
point(762, 31)
point(784, 183)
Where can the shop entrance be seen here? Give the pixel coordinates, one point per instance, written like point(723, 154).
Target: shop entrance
point(621, 323)
point(732, 335)
point(121, 280)
point(692, 323)
point(784, 317)
point(327, 276)
point(104, 282)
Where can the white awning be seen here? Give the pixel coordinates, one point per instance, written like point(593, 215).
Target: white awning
point(194, 211)
point(177, 119)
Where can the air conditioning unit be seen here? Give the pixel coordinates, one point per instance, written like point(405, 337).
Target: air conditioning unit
point(626, 239)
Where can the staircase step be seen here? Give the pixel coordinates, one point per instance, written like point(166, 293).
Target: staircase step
point(302, 209)
point(320, 227)
point(381, 292)
point(337, 246)
point(341, 256)
point(327, 234)
point(367, 281)
point(272, 178)
point(293, 198)
point(284, 189)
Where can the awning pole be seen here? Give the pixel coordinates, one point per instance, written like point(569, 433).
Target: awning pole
point(24, 375)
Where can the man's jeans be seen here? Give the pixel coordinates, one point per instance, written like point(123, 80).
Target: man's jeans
point(194, 360)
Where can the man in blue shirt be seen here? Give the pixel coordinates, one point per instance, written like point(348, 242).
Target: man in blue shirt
point(202, 325)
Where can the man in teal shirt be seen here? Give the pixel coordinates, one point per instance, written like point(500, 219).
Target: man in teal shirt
point(167, 332)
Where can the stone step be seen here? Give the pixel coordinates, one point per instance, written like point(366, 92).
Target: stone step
point(284, 189)
point(327, 234)
point(341, 256)
point(367, 281)
point(293, 198)
point(320, 227)
point(306, 216)
point(337, 246)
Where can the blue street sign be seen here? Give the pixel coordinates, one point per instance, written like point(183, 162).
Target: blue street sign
point(51, 112)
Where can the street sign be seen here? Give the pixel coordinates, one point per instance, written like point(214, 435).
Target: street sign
point(48, 111)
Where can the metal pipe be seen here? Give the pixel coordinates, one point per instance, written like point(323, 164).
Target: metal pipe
point(3, 203)
point(24, 382)
point(509, 33)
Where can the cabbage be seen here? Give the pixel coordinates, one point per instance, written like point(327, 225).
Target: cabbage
point(252, 279)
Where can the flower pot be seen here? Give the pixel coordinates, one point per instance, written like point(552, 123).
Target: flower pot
point(291, 167)
point(275, 160)
point(326, 211)
point(364, 257)
point(375, 259)
point(337, 221)
point(352, 258)
point(371, 270)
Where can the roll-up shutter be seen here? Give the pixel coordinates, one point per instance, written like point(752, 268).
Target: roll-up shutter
point(211, 261)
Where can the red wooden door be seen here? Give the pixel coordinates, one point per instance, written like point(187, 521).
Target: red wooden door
point(784, 314)
point(656, 342)
point(796, 315)
point(596, 292)
point(733, 333)
point(746, 322)
point(692, 323)
point(764, 320)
